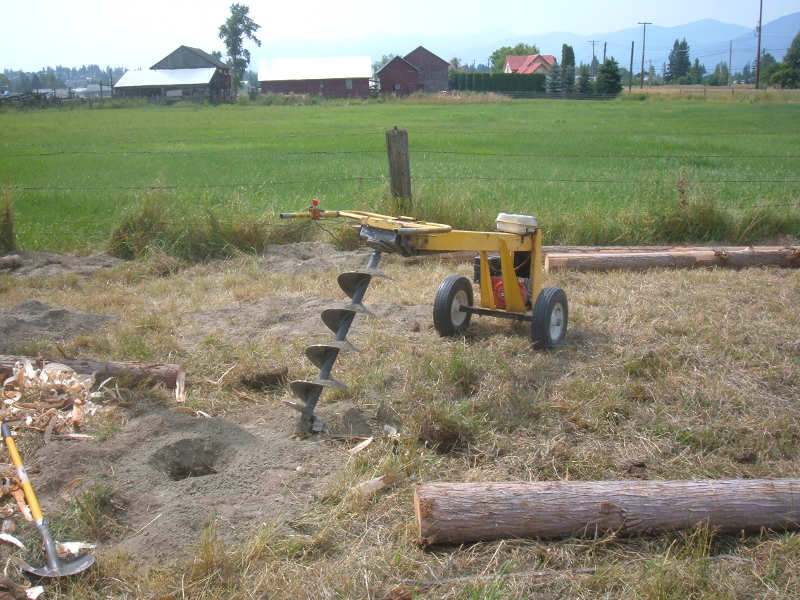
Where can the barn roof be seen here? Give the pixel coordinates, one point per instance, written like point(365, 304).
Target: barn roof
point(165, 77)
point(331, 67)
point(397, 59)
point(199, 57)
point(428, 52)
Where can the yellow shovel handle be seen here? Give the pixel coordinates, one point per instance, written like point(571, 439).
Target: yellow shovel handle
point(33, 503)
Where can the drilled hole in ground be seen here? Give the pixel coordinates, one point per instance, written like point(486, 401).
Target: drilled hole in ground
point(193, 457)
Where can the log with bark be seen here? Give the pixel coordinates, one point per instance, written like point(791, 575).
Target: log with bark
point(788, 257)
point(10, 262)
point(454, 513)
point(171, 375)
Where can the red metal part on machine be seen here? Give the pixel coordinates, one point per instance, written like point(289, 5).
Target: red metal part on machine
point(499, 292)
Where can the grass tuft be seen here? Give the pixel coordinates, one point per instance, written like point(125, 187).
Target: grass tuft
point(8, 239)
point(164, 232)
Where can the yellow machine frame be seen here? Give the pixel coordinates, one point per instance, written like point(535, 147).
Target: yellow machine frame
point(413, 236)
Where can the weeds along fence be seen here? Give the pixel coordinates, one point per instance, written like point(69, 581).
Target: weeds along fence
point(603, 187)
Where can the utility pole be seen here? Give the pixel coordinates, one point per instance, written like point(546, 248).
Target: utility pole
point(758, 56)
point(644, 25)
point(730, 66)
point(604, 52)
point(594, 57)
point(630, 73)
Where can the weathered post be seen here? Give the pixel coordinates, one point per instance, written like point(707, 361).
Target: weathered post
point(399, 167)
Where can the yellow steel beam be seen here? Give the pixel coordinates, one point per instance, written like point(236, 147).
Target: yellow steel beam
point(514, 301)
point(479, 241)
point(487, 291)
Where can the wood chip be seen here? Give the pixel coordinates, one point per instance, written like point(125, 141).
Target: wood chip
point(10, 539)
point(19, 496)
point(359, 447)
point(367, 488)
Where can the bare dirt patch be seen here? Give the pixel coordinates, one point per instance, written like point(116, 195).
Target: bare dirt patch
point(48, 264)
point(177, 472)
point(32, 321)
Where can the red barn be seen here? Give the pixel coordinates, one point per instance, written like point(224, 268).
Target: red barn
point(432, 69)
point(400, 77)
point(331, 77)
point(418, 71)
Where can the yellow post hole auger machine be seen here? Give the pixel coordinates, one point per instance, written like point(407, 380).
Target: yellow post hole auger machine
point(509, 281)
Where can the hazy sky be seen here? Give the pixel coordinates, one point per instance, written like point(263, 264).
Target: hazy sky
point(36, 33)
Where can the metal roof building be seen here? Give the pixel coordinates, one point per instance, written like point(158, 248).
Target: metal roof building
point(332, 77)
point(184, 73)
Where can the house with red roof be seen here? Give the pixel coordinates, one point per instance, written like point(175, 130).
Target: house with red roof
point(529, 63)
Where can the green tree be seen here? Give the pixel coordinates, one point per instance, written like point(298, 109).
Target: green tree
point(567, 56)
point(5, 83)
point(238, 26)
point(719, 76)
point(679, 63)
point(585, 84)
point(568, 79)
point(379, 64)
point(768, 67)
point(554, 82)
point(787, 75)
point(498, 57)
point(608, 78)
point(697, 72)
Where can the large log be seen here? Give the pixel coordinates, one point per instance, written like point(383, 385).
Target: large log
point(681, 259)
point(172, 376)
point(468, 512)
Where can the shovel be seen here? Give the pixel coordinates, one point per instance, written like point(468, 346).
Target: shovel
point(54, 566)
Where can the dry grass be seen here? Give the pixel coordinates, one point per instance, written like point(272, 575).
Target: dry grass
point(738, 93)
point(666, 374)
point(8, 239)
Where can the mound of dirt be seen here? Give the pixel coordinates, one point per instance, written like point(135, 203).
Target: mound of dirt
point(33, 320)
point(47, 264)
point(318, 256)
point(175, 472)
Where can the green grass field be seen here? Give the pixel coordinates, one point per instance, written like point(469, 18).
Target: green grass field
point(589, 170)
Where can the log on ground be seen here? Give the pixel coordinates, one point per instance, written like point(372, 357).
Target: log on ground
point(10, 262)
point(454, 513)
point(171, 375)
point(680, 259)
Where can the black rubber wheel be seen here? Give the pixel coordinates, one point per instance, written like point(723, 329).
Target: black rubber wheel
point(454, 292)
point(550, 318)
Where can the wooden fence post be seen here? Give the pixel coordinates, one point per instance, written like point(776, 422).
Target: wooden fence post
point(399, 168)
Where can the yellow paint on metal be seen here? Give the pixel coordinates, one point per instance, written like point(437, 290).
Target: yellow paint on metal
point(487, 291)
point(478, 241)
point(537, 267)
point(27, 488)
point(514, 301)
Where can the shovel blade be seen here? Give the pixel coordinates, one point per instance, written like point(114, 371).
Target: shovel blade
point(64, 568)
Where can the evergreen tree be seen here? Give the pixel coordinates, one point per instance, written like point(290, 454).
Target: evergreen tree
point(567, 56)
point(238, 26)
point(585, 85)
point(568, 79)
point(719, 76)
point(679, 63)
point(554, 84)
point(697, 72)
point(608, 79)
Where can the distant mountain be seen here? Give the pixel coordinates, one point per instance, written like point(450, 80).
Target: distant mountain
point(708, 40)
